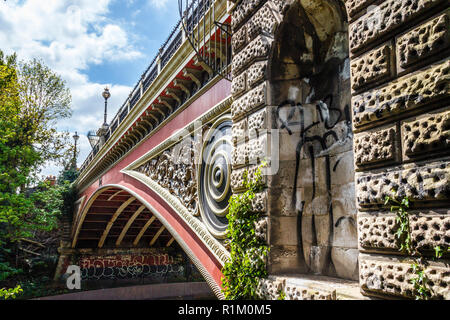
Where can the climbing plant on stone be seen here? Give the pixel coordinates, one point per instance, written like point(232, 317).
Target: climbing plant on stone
point(248, 252)
point(420, 281)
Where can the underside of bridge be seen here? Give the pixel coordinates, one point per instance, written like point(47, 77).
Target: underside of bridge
point(116, 219)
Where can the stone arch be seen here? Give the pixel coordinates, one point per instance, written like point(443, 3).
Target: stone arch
point(308, 75)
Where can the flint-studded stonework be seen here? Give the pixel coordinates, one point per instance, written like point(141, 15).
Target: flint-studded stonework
point(426, 135)
point(402, 137)
point(376, 147)
point(377, 231)
point(395, 277)
point(372, 67)
point(293, 73)
point(386, 17)
point(410, 92)
point(418, 183)
point(424, 41)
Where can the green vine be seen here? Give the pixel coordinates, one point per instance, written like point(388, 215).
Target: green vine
point(422, 289)
point(403, 234)
point(247, 252)
point(11, 293)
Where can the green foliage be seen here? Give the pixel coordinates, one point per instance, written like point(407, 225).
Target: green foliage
point(7, 271)
point(12, 293)
point(421, 282)
point(248, 253)
point(44, 100)
point(32, 99)
point(403, 233)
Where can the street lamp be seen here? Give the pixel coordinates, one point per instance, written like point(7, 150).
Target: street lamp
point(106, 96)
point(75, 138)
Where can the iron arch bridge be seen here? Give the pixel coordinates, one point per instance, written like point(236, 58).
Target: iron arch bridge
point(332, 95)
point(159, 174)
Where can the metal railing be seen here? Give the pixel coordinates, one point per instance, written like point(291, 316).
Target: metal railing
point(193, 14)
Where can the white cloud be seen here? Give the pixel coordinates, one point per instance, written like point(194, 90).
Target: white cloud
point(158, 3)
point(69, 36)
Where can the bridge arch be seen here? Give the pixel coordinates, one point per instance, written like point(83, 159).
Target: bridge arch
point(130, 202)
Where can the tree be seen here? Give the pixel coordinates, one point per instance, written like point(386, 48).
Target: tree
point(32, 99)
point(45, 99)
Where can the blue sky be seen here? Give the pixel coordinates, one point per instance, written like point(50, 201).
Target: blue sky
point(91, 44)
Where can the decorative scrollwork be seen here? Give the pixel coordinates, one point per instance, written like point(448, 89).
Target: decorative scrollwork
point(174, 170)
point(214, 177)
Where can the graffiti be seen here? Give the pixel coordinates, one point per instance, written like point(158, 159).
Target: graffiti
point(310, 138)
point(130, 272)
point(129, 266)
point(322, 129)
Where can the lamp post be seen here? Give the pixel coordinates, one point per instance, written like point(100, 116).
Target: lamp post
point(106, 96)
point(75, 139)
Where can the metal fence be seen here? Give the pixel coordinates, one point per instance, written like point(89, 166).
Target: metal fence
point(195, 11)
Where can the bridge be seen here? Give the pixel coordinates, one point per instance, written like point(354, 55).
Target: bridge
point(310, 87)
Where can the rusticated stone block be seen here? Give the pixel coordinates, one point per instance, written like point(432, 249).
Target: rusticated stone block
point(259, 202)
point(385, 18)
point(409, 92)
point(256, 73)
point(258, 149)
point(427, 231)
point(239, 155)
point(394, 278)
point(427, 134)
point(280, 5)
point(242, 11)
point(424, 41)
point(261, 228)
point(355, 6)
point(424, 183)
point(372, 67)
point(257, 122)
point(248, 102)
point(237, 180)
point(430, 232)
point(263, 21)
point(239, 85)
point(239, 131)
point(377, 231)
point(374, 147)
point(239, 39)
point(269, 289)
point(258, 49)
point(237, 177)
point(304, 293)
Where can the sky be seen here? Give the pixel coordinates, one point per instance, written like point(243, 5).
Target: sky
point(91, 44)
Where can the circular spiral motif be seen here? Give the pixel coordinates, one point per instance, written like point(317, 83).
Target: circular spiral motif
point(215, 177)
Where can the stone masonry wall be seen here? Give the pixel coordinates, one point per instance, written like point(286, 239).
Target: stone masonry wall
point(399, 68)
point(400, 88)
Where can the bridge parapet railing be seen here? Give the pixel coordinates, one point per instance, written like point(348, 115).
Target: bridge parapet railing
point(193, 14)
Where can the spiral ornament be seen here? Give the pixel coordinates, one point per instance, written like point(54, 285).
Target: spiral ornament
point(215, 177)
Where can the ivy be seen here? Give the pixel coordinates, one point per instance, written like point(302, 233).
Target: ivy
point(403, 233)
point(247, 252)
point(12, 293)
point(420, 281)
